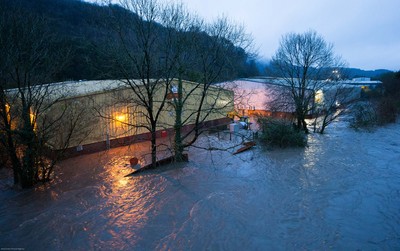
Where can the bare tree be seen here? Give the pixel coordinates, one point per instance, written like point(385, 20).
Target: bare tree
point(303, 61)
point(30, 59)
point(182, 23)
point(206, 54)
point(145, 53)
point(163, 45)
point(331, 103)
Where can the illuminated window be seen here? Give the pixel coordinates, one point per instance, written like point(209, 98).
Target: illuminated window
point(119, 121)
point(120, 118)
point(32, 117)
point(8, 113)
point(319, 97)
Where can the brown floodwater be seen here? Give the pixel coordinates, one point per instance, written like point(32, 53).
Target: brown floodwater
point(342, 192)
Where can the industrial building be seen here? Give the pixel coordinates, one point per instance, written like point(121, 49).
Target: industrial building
point(107, 113)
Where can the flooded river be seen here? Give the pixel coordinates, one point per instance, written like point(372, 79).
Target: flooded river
point(341, 193)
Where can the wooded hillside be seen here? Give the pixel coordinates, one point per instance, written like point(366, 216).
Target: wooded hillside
point(86, 32)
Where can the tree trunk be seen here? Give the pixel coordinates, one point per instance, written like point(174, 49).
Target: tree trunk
point(12, 152)
point(178, 147)
point(299, 123)
point(153, 147)
point(178, 144)
point(29, 168)
point(324, 124)
point(305, 129)
point(16, 165)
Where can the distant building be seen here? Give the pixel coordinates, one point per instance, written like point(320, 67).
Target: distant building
point(363, 82)
point(271, 96)
point(366, 84)
point(262, 96)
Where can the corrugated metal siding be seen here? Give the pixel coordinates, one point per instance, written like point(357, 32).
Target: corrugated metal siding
point(115, 114)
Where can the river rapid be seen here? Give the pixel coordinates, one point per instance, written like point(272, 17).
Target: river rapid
point(342, 192)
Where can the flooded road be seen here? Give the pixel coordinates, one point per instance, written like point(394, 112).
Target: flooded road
point(342, 193)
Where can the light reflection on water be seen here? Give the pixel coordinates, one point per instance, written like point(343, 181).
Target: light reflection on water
point(341, 192)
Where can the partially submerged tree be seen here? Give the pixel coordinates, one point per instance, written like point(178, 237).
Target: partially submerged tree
point(388, 107)
point(206, 54)
point(331, 103)
point(280, 132)
point(30, 59)
point(303, 61)
point(145, 53)
point(162, 46)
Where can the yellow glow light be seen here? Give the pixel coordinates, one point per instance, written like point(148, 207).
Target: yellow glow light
point(33, 120)
point(121, 117)
point(8, 113)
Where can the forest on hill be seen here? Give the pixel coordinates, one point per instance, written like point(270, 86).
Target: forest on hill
point(87, 34)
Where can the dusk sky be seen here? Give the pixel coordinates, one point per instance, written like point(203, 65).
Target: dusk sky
point(366, 33)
